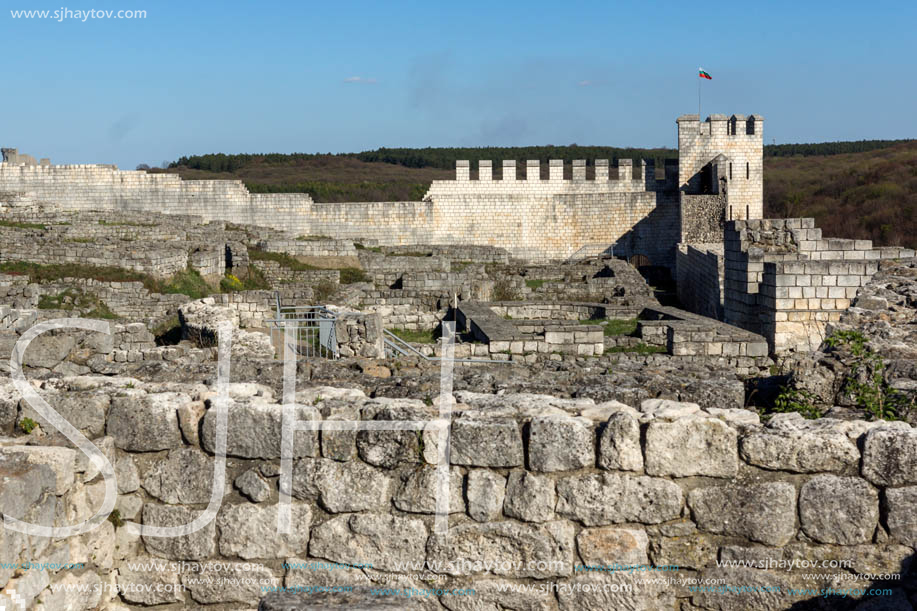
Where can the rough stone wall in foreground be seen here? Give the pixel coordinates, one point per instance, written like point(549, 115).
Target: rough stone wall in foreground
point(540, 488)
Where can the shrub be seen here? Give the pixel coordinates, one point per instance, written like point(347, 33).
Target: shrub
point(504, 291)
point(865, 384)
point(351, 275)
point(230, 284)
point(323, 290)
point(27, 425)
point(795, 400)
point(187, 282)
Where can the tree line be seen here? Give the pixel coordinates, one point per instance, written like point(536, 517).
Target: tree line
point(445, 157)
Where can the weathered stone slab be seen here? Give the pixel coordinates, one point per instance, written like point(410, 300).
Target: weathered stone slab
point(486, 493)
point(196, 546)
point(901, 506)
point(691, 446)
point(763, 512)
point(504, 548)
point(255, 430)
point(146, 423)
point(619, 444)
point(890, 457)
point(529, 497)
point(417, 492)
point(341, 486)
point(840, 510)
point(486, 443)
point(607, 546)
point(370, 538)
point(250, 531)
point(597, 500)
point(561, 443)
point(801, 452)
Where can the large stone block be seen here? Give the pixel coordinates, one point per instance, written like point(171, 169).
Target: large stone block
point(195, 546)
point(232, 582)
point(602, 499)
point(529, 497)
point(504, 548)
point(801, 452)
point(619, 444)
point(184, 477)
point(840, 510)
point(156, 586)
point(901, 508)
point(339, 487)
point(890, 457)
point(691, 446)
point(255, 430)
point(486, 443)
point(607, 546)
point(763, 512)
point(250, 531)
point(603, 591)
point(368, 538)
point(418, 490)
point(146, 423)
point(561, 443)
point(486, 492)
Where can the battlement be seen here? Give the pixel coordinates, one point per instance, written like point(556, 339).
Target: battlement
point(13, 156)
point(721, 125)
point(601, 171)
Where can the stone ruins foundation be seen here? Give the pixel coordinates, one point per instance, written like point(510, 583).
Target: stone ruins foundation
point(600, 419)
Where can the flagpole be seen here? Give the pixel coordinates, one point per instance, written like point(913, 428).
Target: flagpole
point(699, 79)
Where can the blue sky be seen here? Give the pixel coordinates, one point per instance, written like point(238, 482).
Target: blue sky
point(233, 76)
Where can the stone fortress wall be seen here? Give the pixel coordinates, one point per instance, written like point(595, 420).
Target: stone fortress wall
point(624, 209)
point(556, 489)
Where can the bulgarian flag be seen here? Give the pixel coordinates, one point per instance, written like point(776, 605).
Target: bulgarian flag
point(703, 74)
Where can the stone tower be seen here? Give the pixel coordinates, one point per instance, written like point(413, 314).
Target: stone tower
point(723, 153)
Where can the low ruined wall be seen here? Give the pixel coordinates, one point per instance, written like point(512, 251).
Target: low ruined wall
point(155, 259)
point(816, 277)
point(544, 491)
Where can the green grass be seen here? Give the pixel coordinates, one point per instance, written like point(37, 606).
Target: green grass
point(82, 240)
point(534, 284)
point(359, 246)
point(351, 275)
point(285, 260)
point(17, 225)
point(313, 238)
point(642, 349)
point(187, 282)
point(415, 337)
point(78, 300)
point(614, 327)
point(43, 273)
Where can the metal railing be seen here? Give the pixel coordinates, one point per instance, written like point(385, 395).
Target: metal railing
point(314, 334)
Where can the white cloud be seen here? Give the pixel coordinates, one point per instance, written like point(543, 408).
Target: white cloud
point(584, 83)
point(360, 79)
